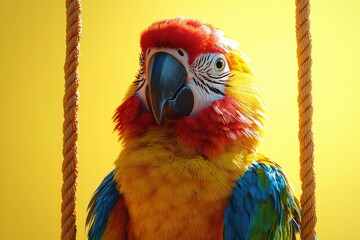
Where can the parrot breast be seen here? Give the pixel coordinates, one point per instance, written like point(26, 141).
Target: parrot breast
point(171, 193)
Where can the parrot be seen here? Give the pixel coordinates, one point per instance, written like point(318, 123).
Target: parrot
point(190, 125)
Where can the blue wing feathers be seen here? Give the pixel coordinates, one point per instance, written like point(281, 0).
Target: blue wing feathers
point(103, 201)
point(262, 205)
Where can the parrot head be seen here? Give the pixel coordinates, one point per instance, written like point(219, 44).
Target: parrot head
point(194, 82)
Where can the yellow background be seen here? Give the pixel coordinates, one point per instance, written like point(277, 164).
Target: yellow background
point(32, 53)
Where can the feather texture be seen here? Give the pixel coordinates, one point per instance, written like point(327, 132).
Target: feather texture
point(197, 176)
point(192, 35)
point(102, 203)
point(262, 205)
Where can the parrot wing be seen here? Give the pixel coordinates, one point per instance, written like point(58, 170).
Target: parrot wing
point(262, 205)
point(107, 214)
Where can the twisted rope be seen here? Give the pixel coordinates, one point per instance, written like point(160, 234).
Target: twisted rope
point(70, 125)
point(307, 173)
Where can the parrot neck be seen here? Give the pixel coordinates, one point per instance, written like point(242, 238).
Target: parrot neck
point(220, 128)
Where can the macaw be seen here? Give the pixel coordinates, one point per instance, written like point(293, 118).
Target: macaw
point(190, 125)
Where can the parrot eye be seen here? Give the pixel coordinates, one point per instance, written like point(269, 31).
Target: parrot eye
point(219, 64)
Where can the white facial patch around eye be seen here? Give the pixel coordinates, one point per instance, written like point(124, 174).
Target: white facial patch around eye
point(209, 75)
point(206, 77)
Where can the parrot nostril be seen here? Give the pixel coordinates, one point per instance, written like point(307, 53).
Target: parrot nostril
point(181, 53)
point(147, 52)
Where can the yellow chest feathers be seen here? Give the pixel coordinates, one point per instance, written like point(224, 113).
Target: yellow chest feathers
point(171, 194)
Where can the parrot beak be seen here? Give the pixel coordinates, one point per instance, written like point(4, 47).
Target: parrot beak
point(169, 97)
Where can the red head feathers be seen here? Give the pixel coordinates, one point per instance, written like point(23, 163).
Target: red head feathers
point(232, 120)
point(191, 35)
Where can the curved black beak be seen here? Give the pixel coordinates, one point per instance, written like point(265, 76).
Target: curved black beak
point(169, 96)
